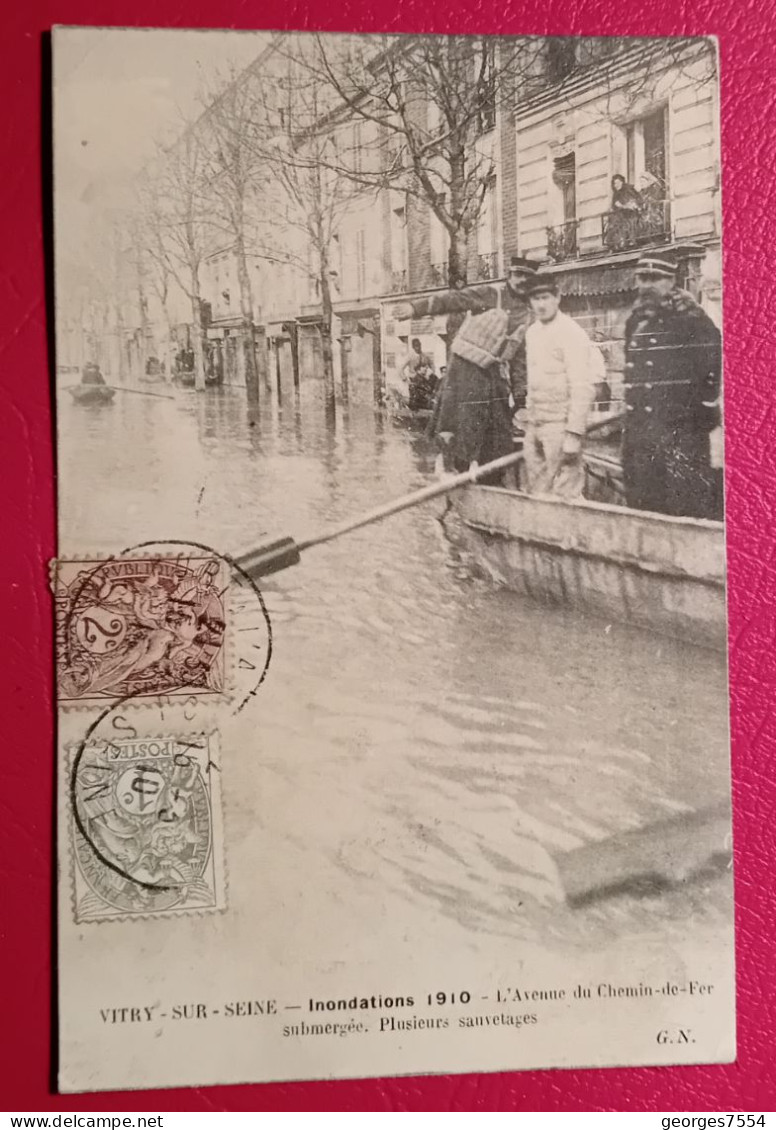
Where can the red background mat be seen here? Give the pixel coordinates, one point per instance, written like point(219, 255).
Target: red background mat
point(748, 64)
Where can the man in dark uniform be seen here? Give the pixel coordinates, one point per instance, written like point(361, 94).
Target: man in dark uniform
point(673, 362)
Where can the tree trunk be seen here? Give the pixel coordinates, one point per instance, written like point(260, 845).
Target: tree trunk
point(456, 260)
point(246, 314)
point(196, 334)
point(378, 376)
point(326, 333)
point(144, 324)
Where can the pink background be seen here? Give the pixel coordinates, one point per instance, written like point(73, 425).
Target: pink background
point(748, 61)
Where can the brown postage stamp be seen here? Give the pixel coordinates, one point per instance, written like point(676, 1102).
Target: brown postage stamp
point(139, 626)
point(146, 826)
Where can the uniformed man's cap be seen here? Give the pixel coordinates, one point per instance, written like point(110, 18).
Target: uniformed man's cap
point(518, 265)
point(541, 283)
point(656, 263)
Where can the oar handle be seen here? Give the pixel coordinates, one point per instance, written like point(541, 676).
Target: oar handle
point(140, 392)
point(283, 552)
point(467, 478)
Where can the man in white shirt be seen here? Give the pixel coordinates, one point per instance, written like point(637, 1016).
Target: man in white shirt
point(561, 390)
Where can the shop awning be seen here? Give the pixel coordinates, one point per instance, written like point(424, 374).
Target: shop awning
point(583, 282)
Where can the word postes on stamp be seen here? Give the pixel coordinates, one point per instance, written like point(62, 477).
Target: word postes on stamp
point(139, 626)
point(146, 826)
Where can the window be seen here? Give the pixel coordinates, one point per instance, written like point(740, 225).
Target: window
point(487, 233)
point(561, 57)
point(486, 88)
point(434, 119)
point(399, 246)
point(439, 239)
point(564, 175)
point(361, 261)
point(487, 236)
point(647, 150)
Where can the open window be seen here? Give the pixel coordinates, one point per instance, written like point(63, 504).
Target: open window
point(647, 150)
point(487, 233)
point(486, 88)
point(562, 234)
point(561, 57)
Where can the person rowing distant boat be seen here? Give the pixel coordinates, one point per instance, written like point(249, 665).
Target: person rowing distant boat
point(91, 375)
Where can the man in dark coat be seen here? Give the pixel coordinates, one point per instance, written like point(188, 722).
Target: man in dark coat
point(673, 364)
point(458, 303)
point(475, 411)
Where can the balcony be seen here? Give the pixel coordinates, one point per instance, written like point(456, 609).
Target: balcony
point(487, 266)
point(399, 281)
point(562, 241)
point(439, 274)
point(623, 230)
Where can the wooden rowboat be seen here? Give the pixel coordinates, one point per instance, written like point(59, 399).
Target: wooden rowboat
point(92, 394)
point(661, 573)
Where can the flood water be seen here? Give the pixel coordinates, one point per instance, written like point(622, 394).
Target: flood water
point(460, 733)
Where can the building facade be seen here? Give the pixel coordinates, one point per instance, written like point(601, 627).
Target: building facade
point(579, 113)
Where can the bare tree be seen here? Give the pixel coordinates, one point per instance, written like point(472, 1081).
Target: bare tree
point(308, 193)
point(428, 104)
point(175, 206)
point(150, 239)
point(235, 173)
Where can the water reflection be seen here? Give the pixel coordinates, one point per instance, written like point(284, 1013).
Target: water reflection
point(459, 733)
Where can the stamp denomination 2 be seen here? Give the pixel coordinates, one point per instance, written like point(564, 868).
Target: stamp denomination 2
point(146, 825)
point(139, 626)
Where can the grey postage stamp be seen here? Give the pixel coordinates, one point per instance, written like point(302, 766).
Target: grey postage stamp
point(146, 827)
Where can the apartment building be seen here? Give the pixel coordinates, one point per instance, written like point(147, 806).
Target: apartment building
point(646, 112)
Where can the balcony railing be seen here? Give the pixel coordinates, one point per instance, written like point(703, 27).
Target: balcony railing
point(562, 241)
point(623, 229)
point(399, 281)
point(487, 265)
point(439, 274)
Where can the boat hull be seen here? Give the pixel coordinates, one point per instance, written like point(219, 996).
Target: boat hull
point(92, 394)
point(660, 573)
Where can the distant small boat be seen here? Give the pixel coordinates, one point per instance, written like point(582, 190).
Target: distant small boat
point(658, 572)
point(92, 394)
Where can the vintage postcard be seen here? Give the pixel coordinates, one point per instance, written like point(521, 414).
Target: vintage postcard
point(390, 590)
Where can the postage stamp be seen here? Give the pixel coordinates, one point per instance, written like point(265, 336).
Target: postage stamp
point(147, 836)
point(139, 626)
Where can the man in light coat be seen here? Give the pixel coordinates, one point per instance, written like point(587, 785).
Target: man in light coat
point(561, 377)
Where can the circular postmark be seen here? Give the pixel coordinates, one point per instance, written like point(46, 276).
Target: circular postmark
point(144, 784)
point(146, 814)
point(159, 618)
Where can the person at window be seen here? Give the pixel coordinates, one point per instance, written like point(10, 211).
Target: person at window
point(562, 374)
point(624, 214)
point(672, 425)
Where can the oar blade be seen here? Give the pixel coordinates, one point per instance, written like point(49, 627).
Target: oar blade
point(660, 856)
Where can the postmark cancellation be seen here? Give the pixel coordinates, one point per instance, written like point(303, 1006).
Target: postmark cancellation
point(146, 827)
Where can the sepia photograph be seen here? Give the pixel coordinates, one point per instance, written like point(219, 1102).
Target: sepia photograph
point(390, 592)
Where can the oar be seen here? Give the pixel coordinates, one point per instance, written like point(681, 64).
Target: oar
point(597, 425)
point(139, 391)
point(284, 552)
point(645, 860)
